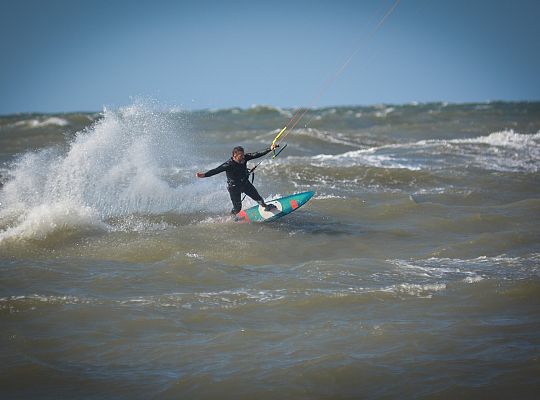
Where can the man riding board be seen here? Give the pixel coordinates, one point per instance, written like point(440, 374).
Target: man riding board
point(238, 177)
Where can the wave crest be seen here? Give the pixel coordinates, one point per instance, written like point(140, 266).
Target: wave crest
point(132, 160)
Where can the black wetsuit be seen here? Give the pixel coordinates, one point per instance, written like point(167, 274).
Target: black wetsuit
point(238, 179)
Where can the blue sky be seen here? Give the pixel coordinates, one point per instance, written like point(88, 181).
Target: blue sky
point(83, 55)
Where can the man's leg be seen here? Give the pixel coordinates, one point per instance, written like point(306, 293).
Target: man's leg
point(250, 190)
point(236, 199)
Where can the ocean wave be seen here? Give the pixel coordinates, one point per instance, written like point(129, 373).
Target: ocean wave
point(337, 181)
point(505, 151)
point(417, 290)
point(362, 157)
point(226, 299)
point(266, 109)
point(342, 280)
point(113, 168)
point(39, 123)
point(329, 197)
point(472, 270)
point(34, 302)
point(241, 297)
point(366, 158)
point(384, 112)
point(505, 139)
point(326, 136)
point(473, 279)
point(39, 222)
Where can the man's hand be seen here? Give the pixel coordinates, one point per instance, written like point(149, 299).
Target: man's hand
point(200, 174)
point(274, 145)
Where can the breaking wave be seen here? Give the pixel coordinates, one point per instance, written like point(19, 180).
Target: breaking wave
point(134, 160)
point(505, 151)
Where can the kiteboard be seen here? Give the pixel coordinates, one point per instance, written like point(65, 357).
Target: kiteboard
point(284, 206)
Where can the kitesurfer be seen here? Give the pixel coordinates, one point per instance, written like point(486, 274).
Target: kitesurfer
point(238, 177)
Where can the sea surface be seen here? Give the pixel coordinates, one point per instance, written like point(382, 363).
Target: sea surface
point(414, 272)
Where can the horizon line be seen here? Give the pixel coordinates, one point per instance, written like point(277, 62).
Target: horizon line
point(269, 106)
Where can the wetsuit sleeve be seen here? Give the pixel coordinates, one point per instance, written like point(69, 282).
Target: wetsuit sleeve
point(251, 156)
point(217, 170)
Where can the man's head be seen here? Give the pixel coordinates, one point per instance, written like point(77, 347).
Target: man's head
point(238, 154)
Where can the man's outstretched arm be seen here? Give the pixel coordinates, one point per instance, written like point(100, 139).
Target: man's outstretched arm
point(217, 170)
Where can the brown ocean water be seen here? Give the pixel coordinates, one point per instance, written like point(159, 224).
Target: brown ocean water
point(414, 272)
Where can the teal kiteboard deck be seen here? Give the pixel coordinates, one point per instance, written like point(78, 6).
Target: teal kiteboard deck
point(284, 206)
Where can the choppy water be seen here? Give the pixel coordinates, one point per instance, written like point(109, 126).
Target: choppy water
point(414, 271)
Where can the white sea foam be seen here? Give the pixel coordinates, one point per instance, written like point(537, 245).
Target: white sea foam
point(50, 299)
point(114, 168)
point(328, 197)
point(384, 113)
point(471, 270)
point(224, 299)
point(364, 157)
point(193, 255)
point(507, 138)
point(40, 221)
point(219, 219)
point(506, 151)
point(473, 279)
point(238, 297)
point(418, 290)
point(36, 123)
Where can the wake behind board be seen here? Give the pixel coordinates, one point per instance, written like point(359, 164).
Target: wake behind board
point(284, 206)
